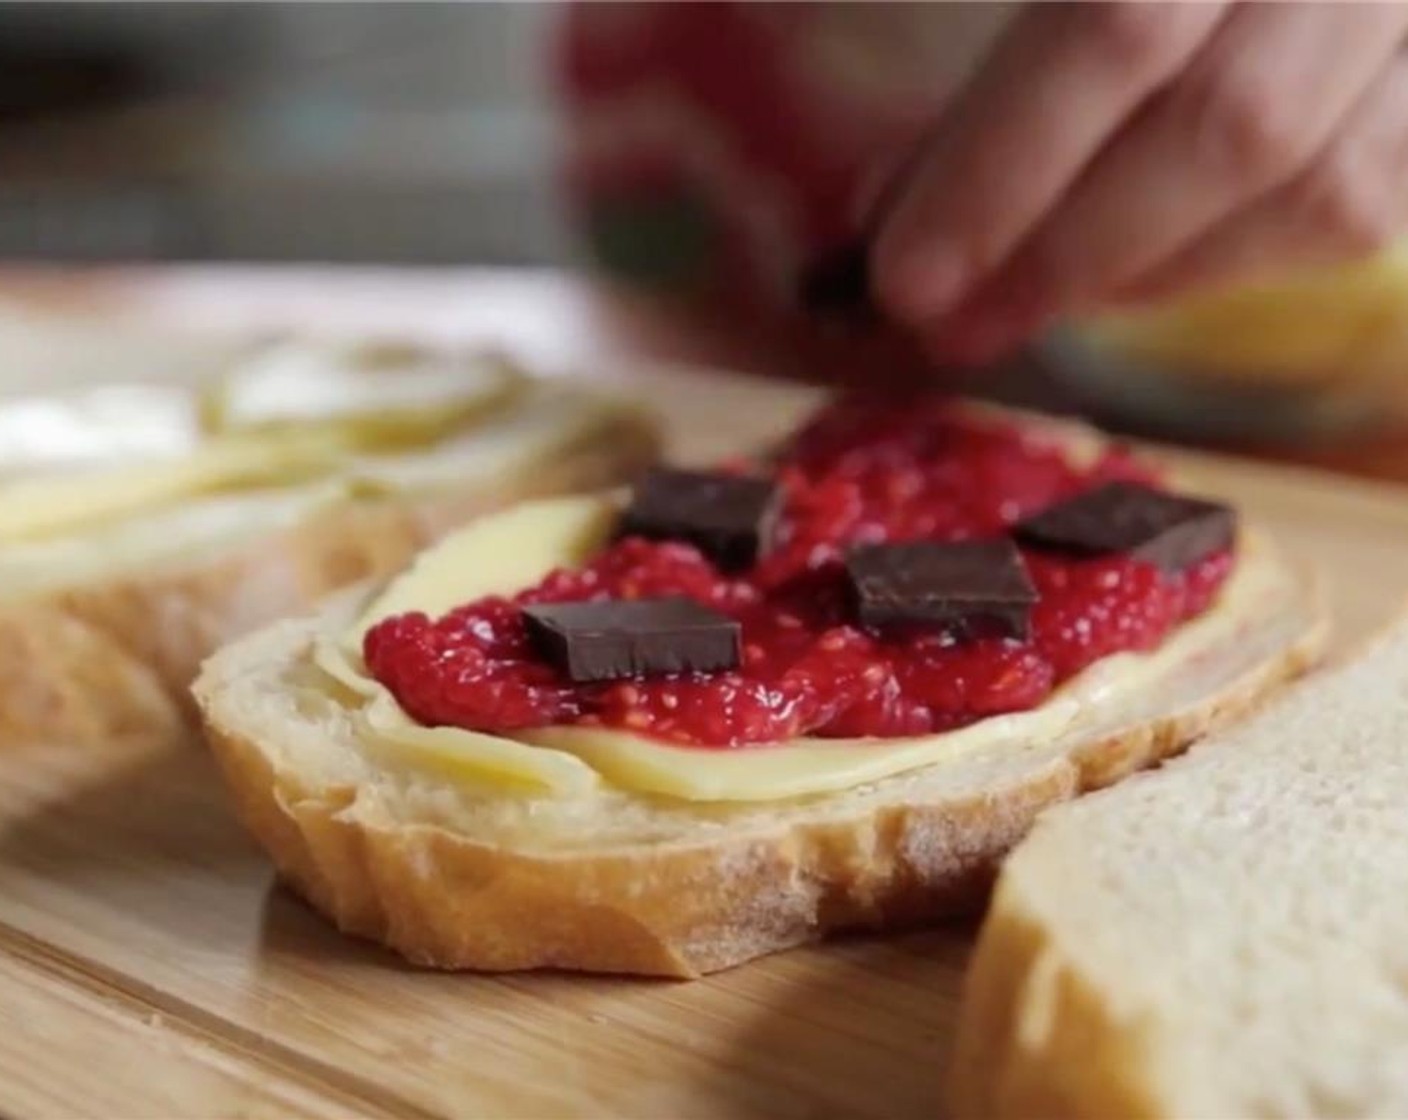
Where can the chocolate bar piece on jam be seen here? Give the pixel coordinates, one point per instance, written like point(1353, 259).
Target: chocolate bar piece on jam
point(618, 638)
point(966, 587)
point(729, 518)
point(1170, 531)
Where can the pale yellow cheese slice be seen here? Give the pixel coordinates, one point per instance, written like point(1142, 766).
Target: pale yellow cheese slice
point(496, 555)
point(505, 552)
point(184, 532)
point(98, 426)
point(33, 506)
point(461, 756)
point(385, 395)
point(547, 420)
point(289, 414)
point(1323, 324)
point(772, 772)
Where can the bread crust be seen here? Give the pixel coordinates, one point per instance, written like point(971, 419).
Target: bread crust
point(447, 900)
point(1073, 1063)
point(96, 661)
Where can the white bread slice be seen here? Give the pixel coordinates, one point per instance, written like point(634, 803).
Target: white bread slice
point(102, 632)
point(1226, 937)
point(458, 876)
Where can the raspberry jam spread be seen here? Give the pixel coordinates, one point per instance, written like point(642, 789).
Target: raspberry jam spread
point(858, 474)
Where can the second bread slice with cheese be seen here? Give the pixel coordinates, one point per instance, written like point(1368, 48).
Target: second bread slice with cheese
point(103, 625)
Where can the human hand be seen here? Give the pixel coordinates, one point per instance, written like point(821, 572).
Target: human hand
point(1110, 153)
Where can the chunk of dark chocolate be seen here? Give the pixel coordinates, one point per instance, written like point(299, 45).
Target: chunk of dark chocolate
point(968, 587)
point(727, 517)
point(1170, 531)
point(633, 638)
point(837, 284)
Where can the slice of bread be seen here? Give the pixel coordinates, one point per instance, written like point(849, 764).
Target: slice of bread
point(1226, 937)
point(457, 875)
point(102, 631)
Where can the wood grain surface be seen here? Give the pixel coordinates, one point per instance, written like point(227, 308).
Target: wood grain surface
point(149, 966)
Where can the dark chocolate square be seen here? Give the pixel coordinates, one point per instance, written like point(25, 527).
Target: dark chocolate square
point(837, 284)
point(1171, 531)
point(633, 638)
point(729, 518)
point(967, 587)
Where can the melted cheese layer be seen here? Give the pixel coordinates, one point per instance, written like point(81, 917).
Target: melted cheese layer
point(502, 553)
point(288, 415)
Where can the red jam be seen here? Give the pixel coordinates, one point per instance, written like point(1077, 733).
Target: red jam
point(858, 473)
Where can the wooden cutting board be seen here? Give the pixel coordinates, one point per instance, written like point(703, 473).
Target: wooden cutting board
point(150, 967)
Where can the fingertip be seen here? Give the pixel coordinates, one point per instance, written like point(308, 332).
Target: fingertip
point(918, 285)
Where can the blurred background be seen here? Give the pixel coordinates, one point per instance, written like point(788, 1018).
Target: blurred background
point(710, 151)
point(266, 132)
